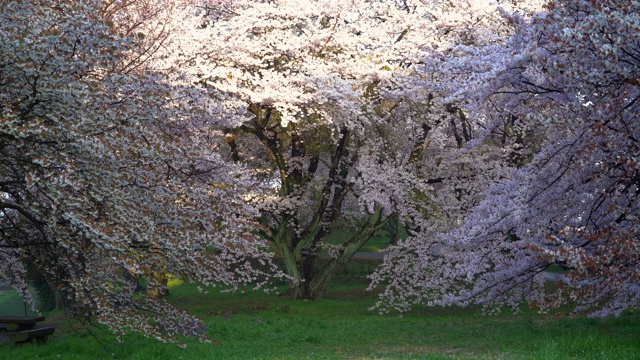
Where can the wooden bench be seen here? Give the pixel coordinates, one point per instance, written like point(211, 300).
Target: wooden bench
point(37, 333)
point(19, 323)
point(19, 329)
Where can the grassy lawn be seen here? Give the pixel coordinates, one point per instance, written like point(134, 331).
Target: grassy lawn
point(260, 326)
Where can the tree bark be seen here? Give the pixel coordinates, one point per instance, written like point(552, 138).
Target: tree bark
point(315, 283)
point(157, 285)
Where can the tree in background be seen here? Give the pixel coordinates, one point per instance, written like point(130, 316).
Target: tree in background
point(569, 74)
point(105, 167)
point(328, 108)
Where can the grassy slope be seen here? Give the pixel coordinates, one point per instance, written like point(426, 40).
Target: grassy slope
point(11, 303)
point(256, 325)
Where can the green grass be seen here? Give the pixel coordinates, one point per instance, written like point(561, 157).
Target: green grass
point(255, 325)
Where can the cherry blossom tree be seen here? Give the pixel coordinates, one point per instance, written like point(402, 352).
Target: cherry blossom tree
point(106, 170)
point(327, 106)
point(568, 74)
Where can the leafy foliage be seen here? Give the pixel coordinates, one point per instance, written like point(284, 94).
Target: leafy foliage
point(569, 73)
point(105, 169)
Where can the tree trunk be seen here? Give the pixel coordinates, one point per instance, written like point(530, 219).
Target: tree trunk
point(315, 283)
point(134, 280)
point(157, 285)
point(292, 261)
point(57, 294)
point(394, 231)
